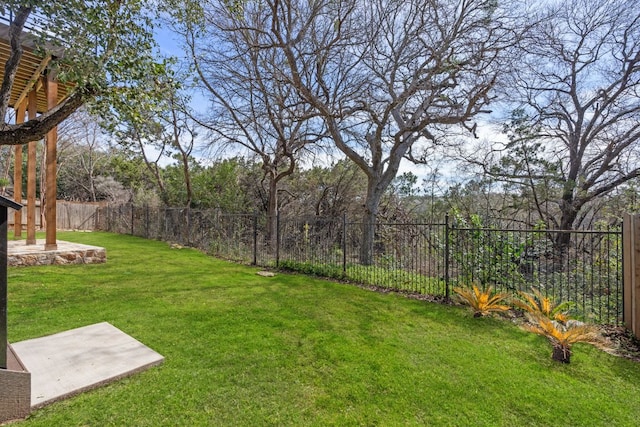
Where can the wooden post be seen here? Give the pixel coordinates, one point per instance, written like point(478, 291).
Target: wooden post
point(51, 169)
point(17, 174)
point(631, 267)
point(31, 174)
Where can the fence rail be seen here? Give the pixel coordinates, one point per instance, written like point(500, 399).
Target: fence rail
point(413, 257)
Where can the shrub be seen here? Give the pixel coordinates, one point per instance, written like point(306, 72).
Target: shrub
point(551, 320)
point(563, 335)
point(482, 302)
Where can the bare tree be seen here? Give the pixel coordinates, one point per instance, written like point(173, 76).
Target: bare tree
point(81, 157)
point(166, 134)
point(181, 134)
point(327, 191)
point(251, 106)
point(388, 77)
point(573, 135)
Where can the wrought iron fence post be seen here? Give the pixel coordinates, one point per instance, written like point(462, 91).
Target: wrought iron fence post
point(165, 226)
point(122, 221)
point(188, 225)
point(446, 257)
point(146, 220)
point(278, 240)
point(132, 218)
point(255, 238)
point(344, 242)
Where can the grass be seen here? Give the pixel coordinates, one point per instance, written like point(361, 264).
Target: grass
point(243, 349)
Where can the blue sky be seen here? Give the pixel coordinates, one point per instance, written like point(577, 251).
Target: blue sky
point(168, 41)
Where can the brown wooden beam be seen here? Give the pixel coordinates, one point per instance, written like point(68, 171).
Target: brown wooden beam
point(31, 174)
point(35, 78)
point(17, 173)
point(51, 168)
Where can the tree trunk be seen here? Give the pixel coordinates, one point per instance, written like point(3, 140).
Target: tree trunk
point(272, 213)
point(567, 219)
point(368, 237)
point(561, 354)
point(374, 194)
point(570, 208)
point(187, 178)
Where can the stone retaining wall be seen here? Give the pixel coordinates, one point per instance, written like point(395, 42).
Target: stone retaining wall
point(88, 256)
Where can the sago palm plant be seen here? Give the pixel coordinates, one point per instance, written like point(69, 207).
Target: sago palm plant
point(482, 302)
point(536, 303)
point(563, 335)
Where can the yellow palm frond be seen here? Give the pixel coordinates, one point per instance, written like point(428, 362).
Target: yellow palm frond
point(545, 305)
point(530, 304)
point(482, 302)
point(536, 303)
point(563, 335)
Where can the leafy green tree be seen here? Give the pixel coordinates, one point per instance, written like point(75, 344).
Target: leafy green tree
point(103, 50)
point(129, 169)
point(221, 185)
point(479, 197)
point(228, 188)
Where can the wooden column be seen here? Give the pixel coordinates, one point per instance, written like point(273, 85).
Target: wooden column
point(51, 168)
point(31, 174)
point(631, 267)
point(17, 173)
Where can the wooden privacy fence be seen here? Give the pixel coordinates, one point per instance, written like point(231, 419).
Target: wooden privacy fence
point(77, 216)
point(69, 215)
point(631, 268)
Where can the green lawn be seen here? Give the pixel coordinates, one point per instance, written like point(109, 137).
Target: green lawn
point(247, 350)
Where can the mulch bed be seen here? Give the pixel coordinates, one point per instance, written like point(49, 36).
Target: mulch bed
point(624, 343)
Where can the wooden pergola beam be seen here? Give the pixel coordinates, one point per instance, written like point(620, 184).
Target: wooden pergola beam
point(35, 78)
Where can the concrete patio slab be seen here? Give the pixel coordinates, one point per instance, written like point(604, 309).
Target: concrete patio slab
point(70, 362)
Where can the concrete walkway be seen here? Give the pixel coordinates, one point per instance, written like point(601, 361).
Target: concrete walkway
point(74, 361)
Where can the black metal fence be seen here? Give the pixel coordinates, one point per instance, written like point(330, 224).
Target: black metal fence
point(431, 259)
